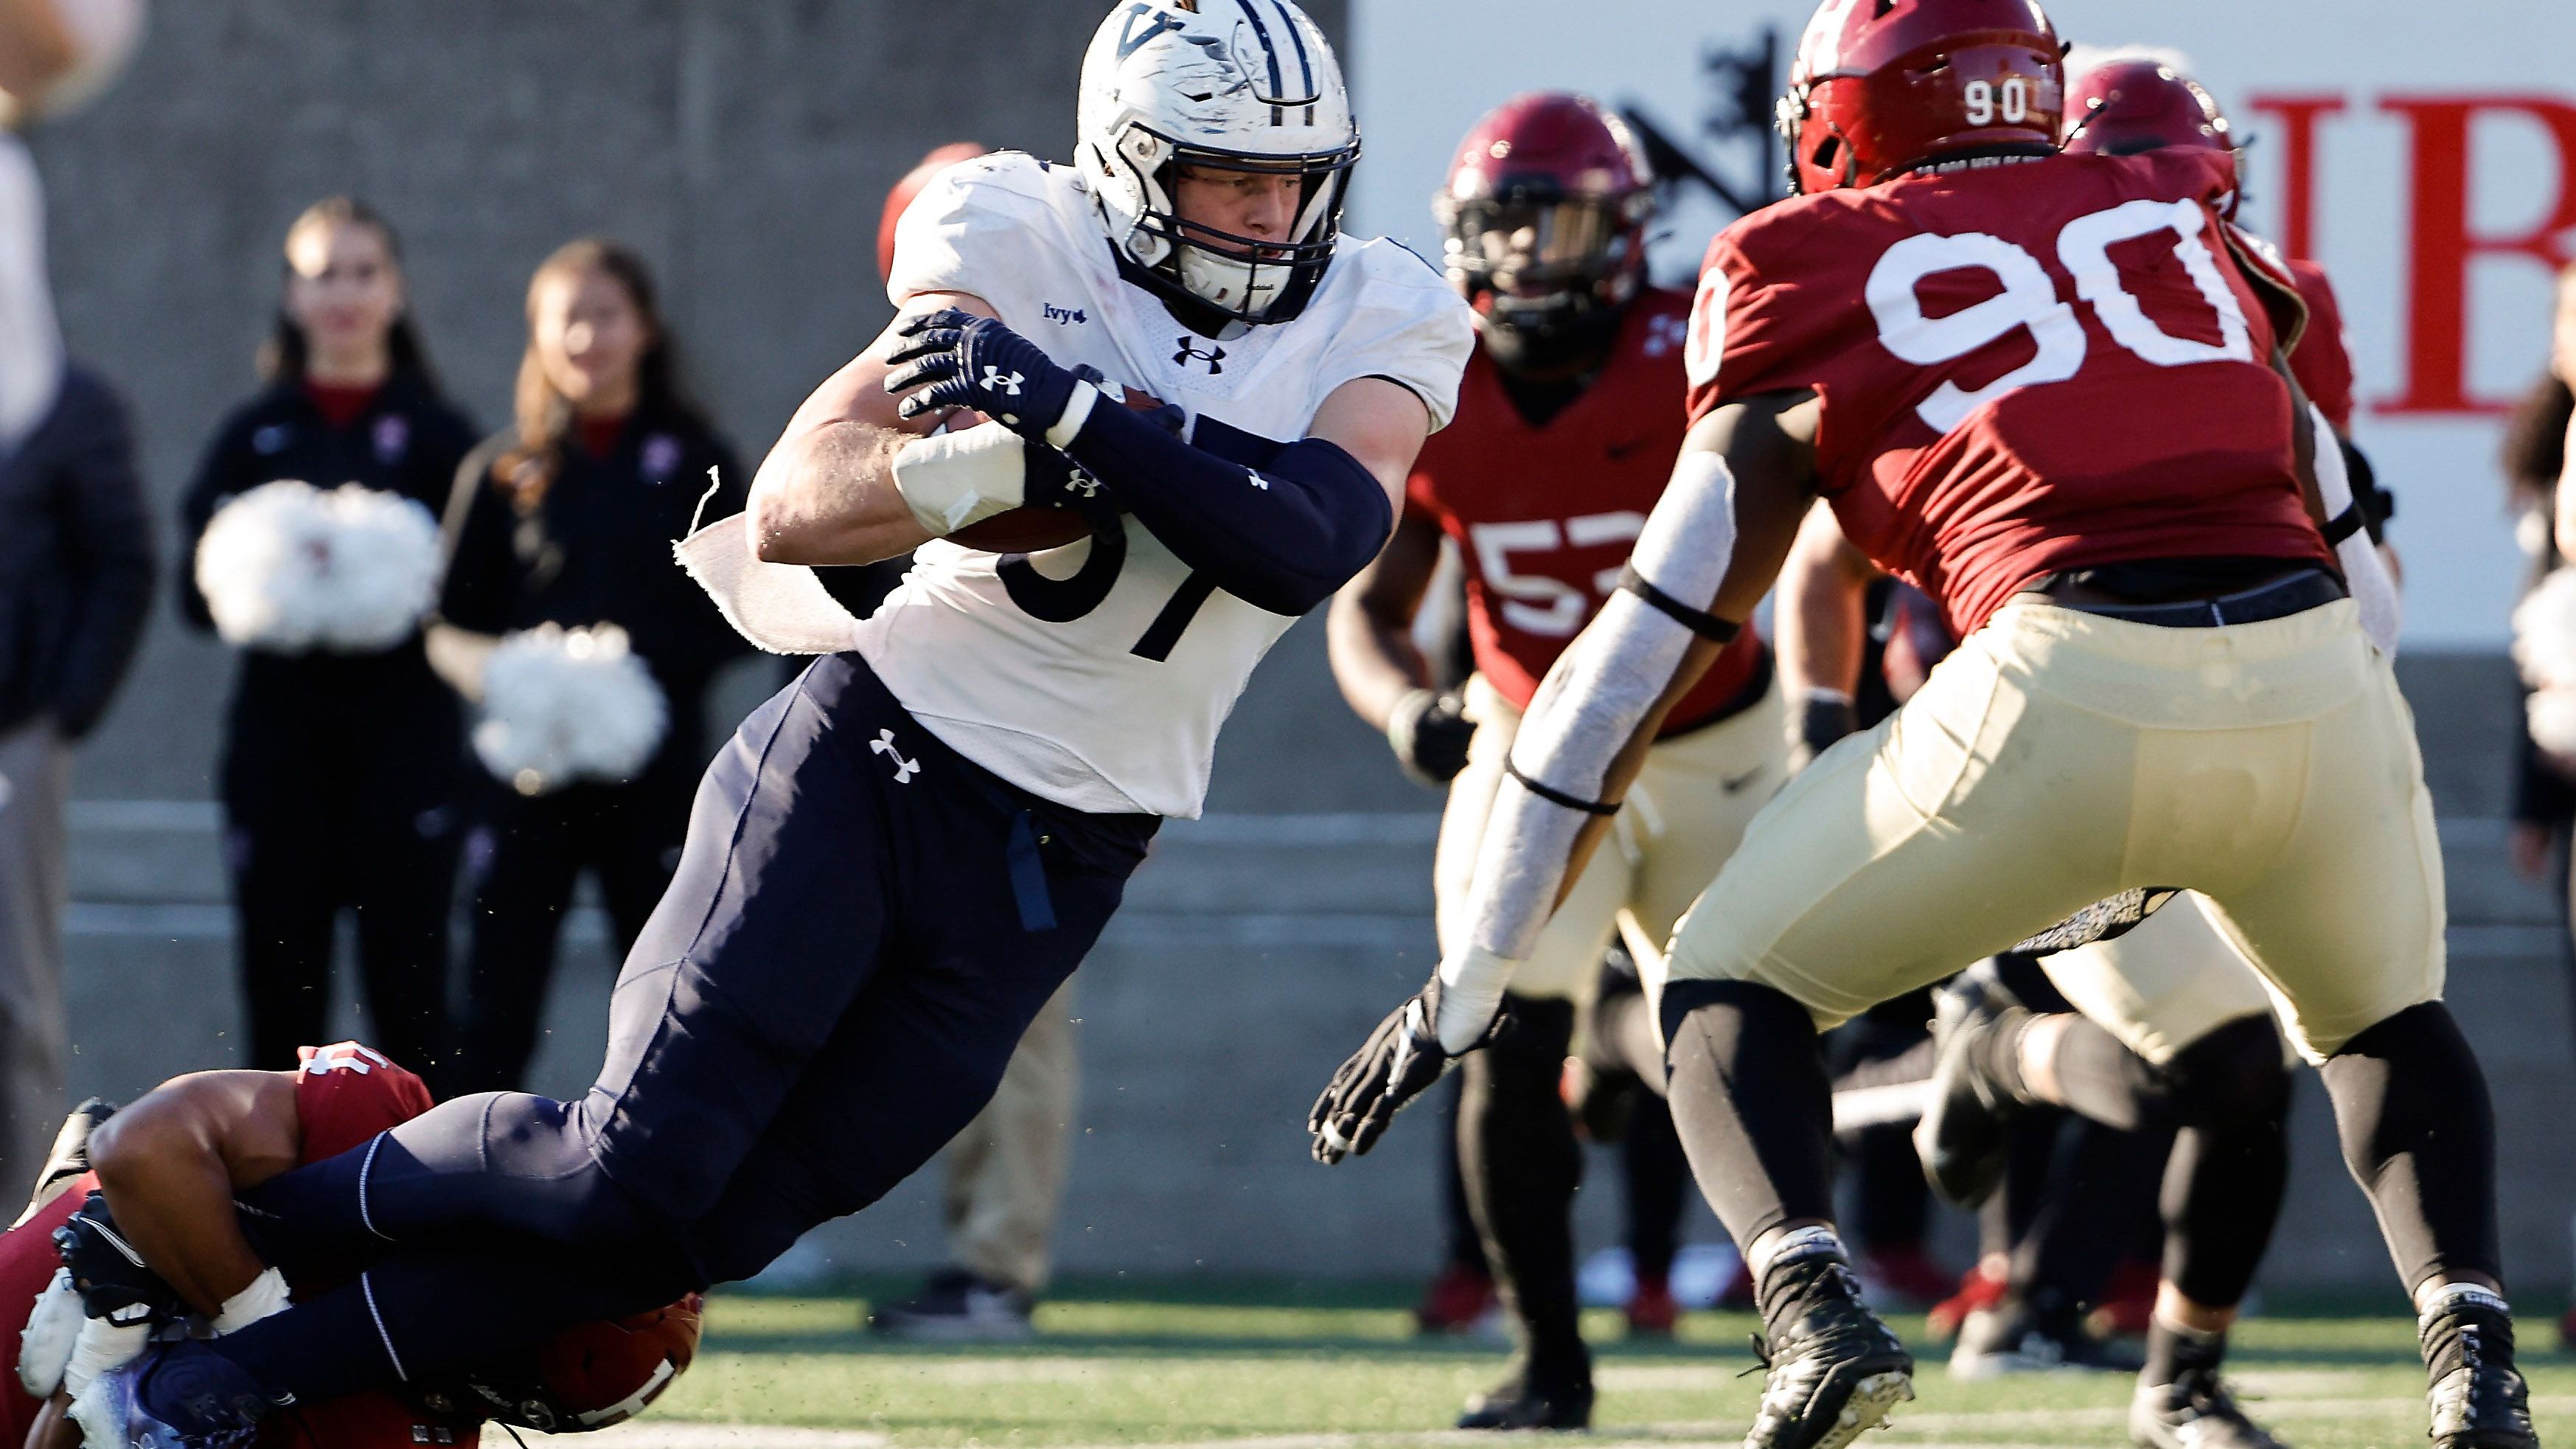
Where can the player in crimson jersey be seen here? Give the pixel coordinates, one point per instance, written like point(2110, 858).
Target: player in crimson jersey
point(1568, 421)
point(2050, 391)
point(163, 1171)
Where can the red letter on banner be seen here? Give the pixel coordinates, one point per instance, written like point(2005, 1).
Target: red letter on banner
point(2437, 323)
point(2299, 166)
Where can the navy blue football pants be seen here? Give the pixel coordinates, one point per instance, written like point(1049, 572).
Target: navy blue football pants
point(862, 925)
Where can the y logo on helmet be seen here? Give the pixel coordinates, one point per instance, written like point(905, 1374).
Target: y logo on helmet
point(1129, 41)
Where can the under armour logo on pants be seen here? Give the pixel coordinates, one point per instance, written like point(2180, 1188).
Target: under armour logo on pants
point(904, 769)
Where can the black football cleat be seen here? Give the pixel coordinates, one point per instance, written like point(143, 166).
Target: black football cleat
point(1522, 1402)
point(2477, 1397)
point(1961, 1137)
point(2195, 1411)
point(1835, 1371)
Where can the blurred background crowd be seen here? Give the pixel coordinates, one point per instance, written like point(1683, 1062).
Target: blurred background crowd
point(602, 248)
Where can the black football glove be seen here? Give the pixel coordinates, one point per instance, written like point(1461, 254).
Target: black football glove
point(957, 359)
point(1430, 732)
point(1823, 720)
point(1400, 1061)
point(112, 1279)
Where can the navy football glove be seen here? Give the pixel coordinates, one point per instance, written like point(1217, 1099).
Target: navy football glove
point(1399, 1062)
point(112, 1279)
point(957, 359)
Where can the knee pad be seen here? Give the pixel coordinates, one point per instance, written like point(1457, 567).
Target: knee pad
point(2233, 1075)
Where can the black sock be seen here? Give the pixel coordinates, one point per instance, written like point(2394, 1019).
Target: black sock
point(2098, 1076)
point(2173, 1352)
point(1520, 1163)
point(1751, 1103)
point(2418, 1133)
point(2230, 1163)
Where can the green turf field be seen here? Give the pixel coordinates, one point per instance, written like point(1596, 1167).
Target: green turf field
point(1156, 1369)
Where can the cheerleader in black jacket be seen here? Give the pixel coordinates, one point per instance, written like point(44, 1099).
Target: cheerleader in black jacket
point(568, 518)
point(340, 770)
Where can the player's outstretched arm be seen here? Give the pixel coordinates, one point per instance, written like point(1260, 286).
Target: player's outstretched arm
point(826, 494)
point(1369, 633)
point(171, 1162)
point(1709, 553)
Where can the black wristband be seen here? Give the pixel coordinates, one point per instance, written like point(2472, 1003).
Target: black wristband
point(1554, 796)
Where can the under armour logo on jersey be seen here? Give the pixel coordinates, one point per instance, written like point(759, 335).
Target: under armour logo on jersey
point(904, 769)
point(994, 381)
point(1214, 358)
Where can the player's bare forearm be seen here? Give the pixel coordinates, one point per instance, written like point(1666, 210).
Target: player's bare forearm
point(1821, 622)
point(826, 493)
point(1369, 632)
point(53, 1428)
point(171, 1162)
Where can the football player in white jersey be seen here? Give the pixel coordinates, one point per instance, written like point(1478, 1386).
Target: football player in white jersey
point(898, 860)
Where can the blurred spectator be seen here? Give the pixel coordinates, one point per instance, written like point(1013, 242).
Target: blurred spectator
point(75, 559)
point(340, 767)
point(2535, 457)
point(567, 518)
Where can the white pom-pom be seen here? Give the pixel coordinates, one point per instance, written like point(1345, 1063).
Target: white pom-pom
point(45, 1346)
point(566, 705)
point(2551, 714)
point(289, 568)
point(2544, 632)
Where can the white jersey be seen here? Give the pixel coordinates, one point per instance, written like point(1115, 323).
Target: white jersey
point(1116, 708)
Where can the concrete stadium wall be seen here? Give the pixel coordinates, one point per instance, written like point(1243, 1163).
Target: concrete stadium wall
point(745, 148)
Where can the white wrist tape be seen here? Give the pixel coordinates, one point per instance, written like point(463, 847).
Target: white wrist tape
point(951, 480)
point(1591, 705)
point(103, 1346)
point(1076, 413)
point(266, 1297)
point(53, 1327)
point(1472, 986)
point(2373, 590)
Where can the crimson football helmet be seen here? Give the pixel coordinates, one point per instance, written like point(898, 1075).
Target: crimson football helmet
point(900, 198)
point(2123, 107)
point(1881, 86)
point(587, 1377)
point(1544, 215)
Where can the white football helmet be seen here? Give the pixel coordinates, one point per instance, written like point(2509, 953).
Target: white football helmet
point(1238, 85)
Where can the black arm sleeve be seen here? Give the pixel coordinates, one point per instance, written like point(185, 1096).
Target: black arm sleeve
point(112, 534)
point(1279, 526)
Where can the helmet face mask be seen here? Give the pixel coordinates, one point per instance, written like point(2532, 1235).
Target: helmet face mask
point(1221, 86)
point(1544, 221)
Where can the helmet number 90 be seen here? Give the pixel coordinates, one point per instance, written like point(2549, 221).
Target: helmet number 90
point(1982, 101)
point(2029, 302)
